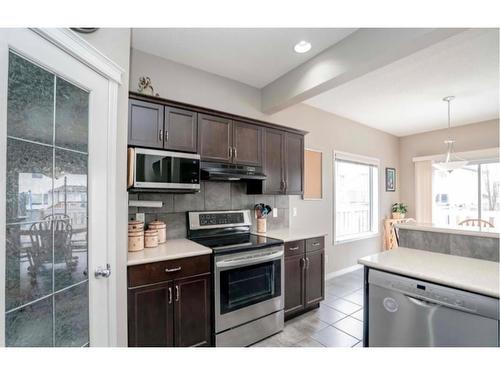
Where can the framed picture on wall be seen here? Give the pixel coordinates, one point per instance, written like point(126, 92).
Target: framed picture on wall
point(390, 179)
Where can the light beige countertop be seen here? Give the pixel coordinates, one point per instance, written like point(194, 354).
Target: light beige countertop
point(464, 230)
point(172, 249)
point(470, 274)
point(288, 235)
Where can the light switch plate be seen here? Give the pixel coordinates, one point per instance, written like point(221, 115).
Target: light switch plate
point(140, 217)
point(275, 212)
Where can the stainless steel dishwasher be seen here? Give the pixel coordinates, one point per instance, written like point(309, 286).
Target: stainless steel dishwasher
point(407, 312)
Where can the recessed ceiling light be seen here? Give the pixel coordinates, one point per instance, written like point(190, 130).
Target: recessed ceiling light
point(302, 46)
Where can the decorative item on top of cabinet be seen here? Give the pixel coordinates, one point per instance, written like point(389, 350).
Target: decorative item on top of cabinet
point(304, 275)
point(169, 303)
point(146, 84)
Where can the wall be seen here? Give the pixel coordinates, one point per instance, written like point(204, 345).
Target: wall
point(212, 196)
point(327, 132)
point(115, 44)
point(468, 137)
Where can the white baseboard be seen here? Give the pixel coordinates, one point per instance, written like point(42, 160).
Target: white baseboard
point(343, 271)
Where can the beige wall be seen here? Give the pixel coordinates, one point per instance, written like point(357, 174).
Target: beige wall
point(468, 137)
point(327, 132)
point(115, 44)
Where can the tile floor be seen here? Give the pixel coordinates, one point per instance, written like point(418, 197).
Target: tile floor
point(338, 322)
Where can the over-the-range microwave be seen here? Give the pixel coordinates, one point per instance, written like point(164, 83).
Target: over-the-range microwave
point(160, 170)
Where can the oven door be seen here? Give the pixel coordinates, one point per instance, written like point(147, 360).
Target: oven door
point(248, 286)
point(166, 170)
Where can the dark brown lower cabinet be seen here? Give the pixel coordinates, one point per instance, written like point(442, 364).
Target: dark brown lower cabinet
point(168, 305)
point(304, 277)
point(192, 311)
point(150, 315)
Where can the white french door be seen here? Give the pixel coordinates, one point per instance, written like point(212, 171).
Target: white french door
point(54, 195)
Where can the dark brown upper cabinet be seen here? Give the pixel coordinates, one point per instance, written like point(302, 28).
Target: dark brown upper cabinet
point(214, 138)
point(274, 162)
point(181, 130)
point(145, 124)
point(294, 164)
point(247, 144)
point(283, 162)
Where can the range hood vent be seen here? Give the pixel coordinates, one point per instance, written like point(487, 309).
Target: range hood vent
point(230, 172)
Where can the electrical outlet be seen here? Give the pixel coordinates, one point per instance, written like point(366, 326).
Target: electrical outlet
point(140, 217)
point(294, 211)
point(275, 212)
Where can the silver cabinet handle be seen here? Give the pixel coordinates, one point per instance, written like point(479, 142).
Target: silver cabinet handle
point(160, 135)
point(173, 269)
point(302, 263)
point(177, 293)
point(307, 263)
point(235, 152)
point(293, 248)
point(315, 244)
point(230, 152)
point(166, 136)
point(169, 295)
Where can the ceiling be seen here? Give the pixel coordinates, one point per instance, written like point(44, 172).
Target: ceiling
point(404, 97)
point(252, 56)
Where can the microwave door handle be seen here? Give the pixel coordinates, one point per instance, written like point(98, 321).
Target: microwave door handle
point(249, 261)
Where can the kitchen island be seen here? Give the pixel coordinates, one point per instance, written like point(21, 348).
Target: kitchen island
point(426, 298)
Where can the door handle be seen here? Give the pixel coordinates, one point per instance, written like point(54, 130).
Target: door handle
point(177, 293)
point(160, 135)
point(169, 295)
point(103, 272)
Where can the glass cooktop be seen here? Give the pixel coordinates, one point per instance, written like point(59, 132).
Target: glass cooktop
point(237, 242)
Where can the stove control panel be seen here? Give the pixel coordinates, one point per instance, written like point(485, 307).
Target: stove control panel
point(218, 219)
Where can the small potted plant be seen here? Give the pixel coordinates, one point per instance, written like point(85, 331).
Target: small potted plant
point(399, 210)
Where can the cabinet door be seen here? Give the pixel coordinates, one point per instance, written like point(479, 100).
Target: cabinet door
point(294, 284)
point(294, 164)
point(247, 144)
point(315, 276)
point(145, 124)
point(274, 148)
point(214, 138)
point(181, 130)
point(193, 311)
point(150, 315)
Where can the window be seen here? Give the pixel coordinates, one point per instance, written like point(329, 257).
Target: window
point(356, 197)
point(472, 192)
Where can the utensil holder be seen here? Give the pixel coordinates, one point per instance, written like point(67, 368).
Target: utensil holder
point(261, 225)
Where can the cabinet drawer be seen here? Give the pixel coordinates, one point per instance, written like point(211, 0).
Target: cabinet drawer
point(294, 248)
point(317, 243)
point(150, 273)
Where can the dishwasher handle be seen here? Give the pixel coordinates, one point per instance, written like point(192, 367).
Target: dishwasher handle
point(422, 303)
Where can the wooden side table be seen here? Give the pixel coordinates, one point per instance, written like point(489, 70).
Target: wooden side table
point(390, 241)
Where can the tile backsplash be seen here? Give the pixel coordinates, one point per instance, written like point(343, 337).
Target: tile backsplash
point(212, 196)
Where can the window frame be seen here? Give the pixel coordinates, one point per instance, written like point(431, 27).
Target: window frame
point(374, 196)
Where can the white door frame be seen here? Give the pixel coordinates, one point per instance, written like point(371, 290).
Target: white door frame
point(84, 52)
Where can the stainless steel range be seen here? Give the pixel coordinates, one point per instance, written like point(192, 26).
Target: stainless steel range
point(248, 276)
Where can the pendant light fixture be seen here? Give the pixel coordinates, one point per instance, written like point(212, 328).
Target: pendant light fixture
point(451, 160)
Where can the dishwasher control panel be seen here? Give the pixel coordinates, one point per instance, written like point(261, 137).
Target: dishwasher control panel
point(435, 293)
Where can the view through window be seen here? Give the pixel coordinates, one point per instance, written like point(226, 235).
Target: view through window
point(472, 192)
point(356, 199)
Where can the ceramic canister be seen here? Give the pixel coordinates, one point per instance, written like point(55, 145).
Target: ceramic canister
point(151, 238)
point(161, 227)
point(135, 224)
point(261, 225)
point(135, 240)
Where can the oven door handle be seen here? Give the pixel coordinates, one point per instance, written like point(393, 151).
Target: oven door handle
point(249, 261)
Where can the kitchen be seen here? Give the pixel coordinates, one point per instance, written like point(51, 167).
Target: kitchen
point(226, 206)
